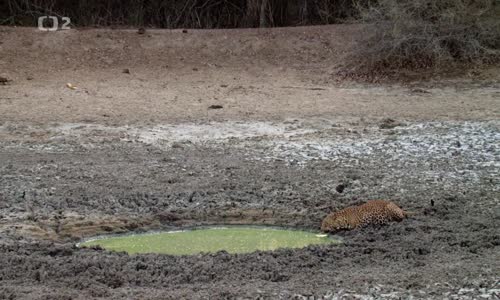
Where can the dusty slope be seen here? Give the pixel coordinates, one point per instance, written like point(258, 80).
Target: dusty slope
point(175, 77)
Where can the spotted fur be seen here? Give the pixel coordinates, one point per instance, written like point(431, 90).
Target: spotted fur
point(372, 212)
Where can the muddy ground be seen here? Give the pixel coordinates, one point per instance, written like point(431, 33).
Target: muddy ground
point(131, 152)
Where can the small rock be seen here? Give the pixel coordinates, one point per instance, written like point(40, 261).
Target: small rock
point(126, 71)
point(184, 31)
point(141, 30)
point(465, 291)
point(420, 91)
point(4, 80)
point(215, 106)
point(389, 123)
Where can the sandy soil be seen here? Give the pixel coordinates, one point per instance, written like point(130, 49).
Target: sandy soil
point(175, 77)
point(131, 152)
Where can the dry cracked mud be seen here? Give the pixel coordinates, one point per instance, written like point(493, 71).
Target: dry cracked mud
point(67, 185)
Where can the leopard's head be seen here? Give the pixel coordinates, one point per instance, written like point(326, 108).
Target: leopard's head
point(333, 223)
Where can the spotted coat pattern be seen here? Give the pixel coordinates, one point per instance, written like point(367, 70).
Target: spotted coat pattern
point(371, 212)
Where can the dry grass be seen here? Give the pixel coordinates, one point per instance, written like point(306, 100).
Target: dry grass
point(180, 13)
point(427, 34)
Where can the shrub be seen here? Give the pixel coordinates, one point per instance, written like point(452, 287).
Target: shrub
point(423, 34)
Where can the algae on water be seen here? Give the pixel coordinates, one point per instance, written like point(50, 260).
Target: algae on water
point(230, 239)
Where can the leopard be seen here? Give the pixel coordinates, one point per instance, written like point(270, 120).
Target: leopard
point(373, 212)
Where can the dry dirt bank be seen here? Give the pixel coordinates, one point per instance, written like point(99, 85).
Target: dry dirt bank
point(175, 77)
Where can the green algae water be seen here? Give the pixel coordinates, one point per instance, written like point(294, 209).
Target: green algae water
point(210, 240)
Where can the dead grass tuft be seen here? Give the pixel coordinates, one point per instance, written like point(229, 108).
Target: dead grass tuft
point(426, 34)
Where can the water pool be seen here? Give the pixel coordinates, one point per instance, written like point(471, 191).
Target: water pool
point(210, 240)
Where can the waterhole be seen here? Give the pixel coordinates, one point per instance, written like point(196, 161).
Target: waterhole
point(210, 240)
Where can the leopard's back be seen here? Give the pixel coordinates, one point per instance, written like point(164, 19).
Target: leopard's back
point(372, 212)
